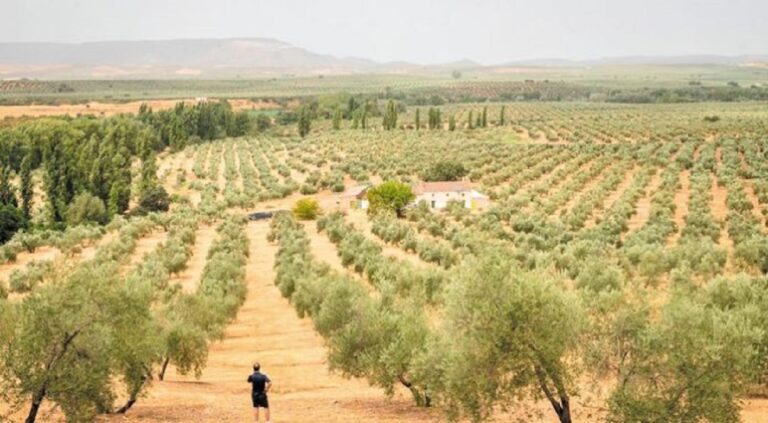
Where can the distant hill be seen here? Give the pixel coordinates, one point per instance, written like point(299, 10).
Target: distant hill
point(251, 57)
point(167, 59)
point(646, 60)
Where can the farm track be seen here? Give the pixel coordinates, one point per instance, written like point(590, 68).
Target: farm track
point(757, 210)
point(720, 207)
point(322, 249)
point(189, 277)
point(364, 225)
point(221, 176)
point(557, 186)
point(47, 252)
point(643, 206)
point(144, 246)
point(682, 196)
point(267, 329)
point(565, 208)
point(611, 199)
point(239, 179)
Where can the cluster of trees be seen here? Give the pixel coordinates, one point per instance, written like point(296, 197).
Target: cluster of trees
point(113, 334)
point(86, 162)
point(395, 232)
point(12, 217)
point(372, 337)
point(534, 337)
point(390, 116)
point(445, 171)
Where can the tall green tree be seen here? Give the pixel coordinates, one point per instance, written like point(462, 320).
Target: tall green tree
point(417, 120)
point(507, 335)
point(27, 187)
point(7, 191)
point(305, 121)
point(484, 122)
point(390, 116)
point(71, 359)
point(501, 116)
point(390, 196)
point(11, 221)
point(337, 117)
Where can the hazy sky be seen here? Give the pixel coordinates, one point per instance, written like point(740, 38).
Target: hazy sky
point(424, 31)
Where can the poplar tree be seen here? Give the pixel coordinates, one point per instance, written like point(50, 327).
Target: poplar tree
point(337, 116)
point(418, 118)
point(390, 116)
point(7, 195)
point(27, 190)
point(305, 121)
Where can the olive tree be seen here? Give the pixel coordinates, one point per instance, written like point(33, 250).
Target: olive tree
point(391, 196)
point(67, 340)
point(507, 333)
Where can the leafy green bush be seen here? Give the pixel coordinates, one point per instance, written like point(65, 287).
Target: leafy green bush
point(11, 221)
point(86, 209)
point(445, 171)
point(307, 209)
point(390, 197)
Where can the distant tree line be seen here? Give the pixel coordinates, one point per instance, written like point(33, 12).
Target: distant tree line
point(86, 155)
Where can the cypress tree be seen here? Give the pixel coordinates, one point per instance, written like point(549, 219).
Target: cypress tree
point(452, 123)
point(7, 195)
point(390, 116)
point(418, 118)
point(148, 173)
point(304, 122)
point(501, 116)
point(337, 116)
point(485, 117)
point(469, 120)
point(27, 190)
point(479, 121)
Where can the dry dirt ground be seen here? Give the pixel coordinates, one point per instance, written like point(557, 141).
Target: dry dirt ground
point(110, 109)
point(267, 329)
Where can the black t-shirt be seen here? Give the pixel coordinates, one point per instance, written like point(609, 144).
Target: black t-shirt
point(258, 382)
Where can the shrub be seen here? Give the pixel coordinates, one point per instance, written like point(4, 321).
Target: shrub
point(390, 197)
point(154, 199)
point(445, 171)
point(11, 220)
point(86, 208)
point(307, 209)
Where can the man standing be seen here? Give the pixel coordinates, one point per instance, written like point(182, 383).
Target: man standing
point(260, 384)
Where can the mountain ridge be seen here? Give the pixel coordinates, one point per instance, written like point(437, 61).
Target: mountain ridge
point(253, 56)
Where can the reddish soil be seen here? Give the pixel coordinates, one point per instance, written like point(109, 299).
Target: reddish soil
point(681, 205)
point(110, 109)
point(267, 329)
point(190, 276)
point(565, 208)
point(612, 198)
point(643, 207)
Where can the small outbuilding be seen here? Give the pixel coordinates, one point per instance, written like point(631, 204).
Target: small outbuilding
point(438, 194)
point(354, 198)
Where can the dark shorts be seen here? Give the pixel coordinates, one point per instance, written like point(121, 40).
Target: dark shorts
point(260, 400)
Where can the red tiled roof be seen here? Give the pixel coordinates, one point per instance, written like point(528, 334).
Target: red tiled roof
point(445, 186)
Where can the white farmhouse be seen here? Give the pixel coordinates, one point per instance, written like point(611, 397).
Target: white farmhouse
point(438, 194)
